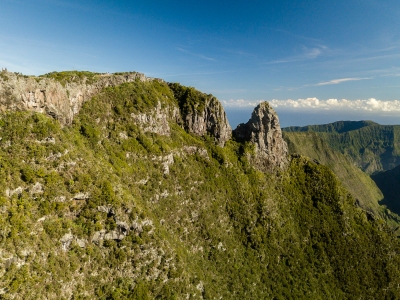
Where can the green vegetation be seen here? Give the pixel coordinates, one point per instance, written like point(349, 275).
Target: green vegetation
point(336, 127)
point(73, 76)
point(358, 183)
point(189, 99)
point(102, 209)
point(372, 147)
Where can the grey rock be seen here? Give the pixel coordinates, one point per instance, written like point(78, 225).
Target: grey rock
point(98, 236)
point(81, 196)
point(106, 209)
point(81, 243)
point(156, 120)
point(123, 227)
point(191, 150)
point(50, 97)
point(66, 241)
point(114, 235)
point(211, 120)
point(111, 235)
point(60, 199)
point(17, 191)
point(37, 188)
point(264, 131)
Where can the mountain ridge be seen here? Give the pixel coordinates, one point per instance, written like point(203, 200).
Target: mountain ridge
point(338, 126)
point(127, 202)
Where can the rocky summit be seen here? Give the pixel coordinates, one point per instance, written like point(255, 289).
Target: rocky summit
point(264, 131)
point(116, 186)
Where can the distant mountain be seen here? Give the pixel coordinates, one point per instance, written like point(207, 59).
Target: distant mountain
point(372, 147)
point(338, 127)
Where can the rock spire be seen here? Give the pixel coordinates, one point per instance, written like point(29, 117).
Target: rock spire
point(264, 131)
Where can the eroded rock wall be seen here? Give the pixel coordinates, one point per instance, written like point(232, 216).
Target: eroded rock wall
point(46, 95)
point(264, 131)
point(212, 120)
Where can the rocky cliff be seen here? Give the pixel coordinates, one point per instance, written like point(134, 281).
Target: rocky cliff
point(202, 113)
point(61, 99)
point(212, 119)
point(264, 131)
point(62, 94)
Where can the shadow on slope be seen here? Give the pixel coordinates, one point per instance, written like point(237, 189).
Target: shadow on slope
point(389, 184)
point(359, 184)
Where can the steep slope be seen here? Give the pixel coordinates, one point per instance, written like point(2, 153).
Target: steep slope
point(62, 94)
point(372, 147)
point(127, 204)
point(358, 183)
point(389, 183)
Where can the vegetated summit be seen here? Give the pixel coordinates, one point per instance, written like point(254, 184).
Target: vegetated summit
point(117, 186)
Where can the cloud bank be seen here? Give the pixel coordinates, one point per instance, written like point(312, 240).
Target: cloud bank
point(314, 104)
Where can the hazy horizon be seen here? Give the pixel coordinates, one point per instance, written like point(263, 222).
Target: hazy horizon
point(302, 118)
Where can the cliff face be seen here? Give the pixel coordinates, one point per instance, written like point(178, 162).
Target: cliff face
point(46, 95)
point(264, 131)
point(63, 98)
point(212, 119)
point(202, 113)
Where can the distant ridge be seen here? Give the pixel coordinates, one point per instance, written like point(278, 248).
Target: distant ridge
point(338, 127)
point(372, 147)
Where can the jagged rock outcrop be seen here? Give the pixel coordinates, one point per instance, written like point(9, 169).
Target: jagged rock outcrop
point(264, 131)
point(202, 113)
point(46, 95)
point(211, 120)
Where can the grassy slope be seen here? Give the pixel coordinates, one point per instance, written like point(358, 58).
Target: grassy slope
point(358, 183)
point(212, 227)
point(371, 146)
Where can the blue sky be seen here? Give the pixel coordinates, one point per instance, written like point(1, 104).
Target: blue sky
point(240, 51)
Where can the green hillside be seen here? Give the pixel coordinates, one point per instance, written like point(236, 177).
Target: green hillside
point(359, 184)
point(336, 127)
point(372, 147)
point(108, 209)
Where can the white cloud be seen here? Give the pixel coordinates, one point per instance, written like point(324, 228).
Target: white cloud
point(312, 53)
point(196, 54)
point(340, 80)
point(315, 104)
point(306, 54)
